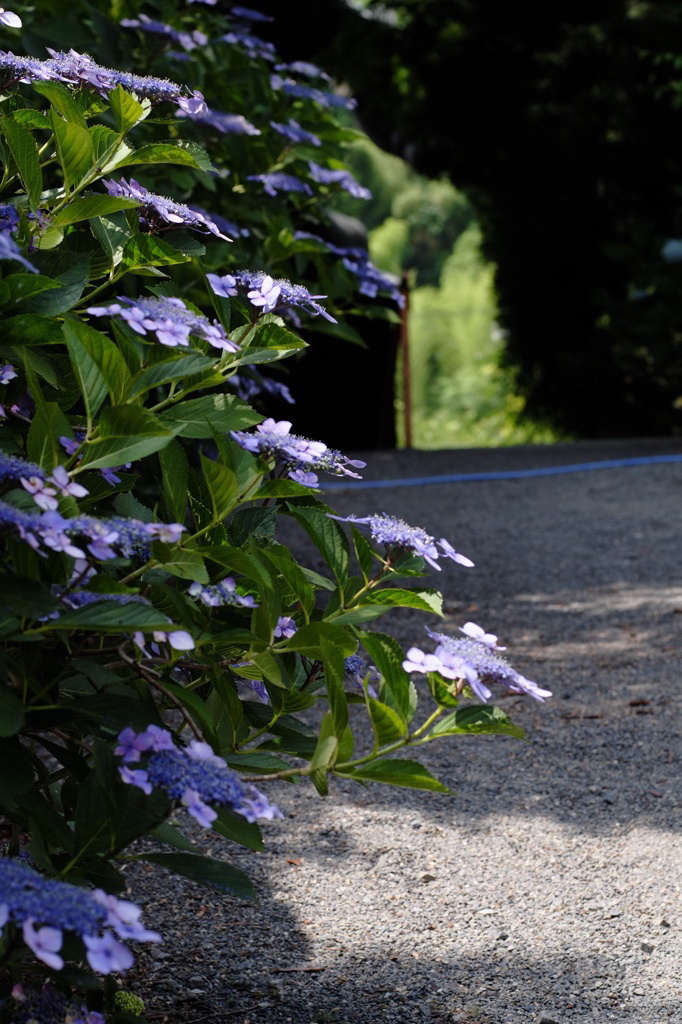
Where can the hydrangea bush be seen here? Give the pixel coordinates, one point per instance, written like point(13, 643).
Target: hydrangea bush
point(161, 645)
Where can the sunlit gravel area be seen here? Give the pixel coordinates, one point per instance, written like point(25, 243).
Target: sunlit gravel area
point(546, 886)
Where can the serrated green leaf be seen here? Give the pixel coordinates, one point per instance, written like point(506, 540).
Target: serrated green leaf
point(62, 100)
point(222, 486)
point(363, 552)
point(280, 489)
point(47, 426)
point(142, 251)
point(185, 564)
point(23, 286)
point(172, 836)
point(72, 277)
point(175, 477)
point(395, 597)
point(399, 772)
point(24, 152)
point(96, 359)
point(75, 151)
point(186, 154)
point(127, 433)
point(387, 724)
point(388, 656)
point(127, 110)
point(198, 417)
point(112, 617)
point(308, 640)
point(112, 233)
point(477, 719)
point(87, 207)
point(326, 535)
point(282, 560)
point(170, 369)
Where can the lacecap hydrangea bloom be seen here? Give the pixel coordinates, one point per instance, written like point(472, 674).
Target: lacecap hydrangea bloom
point(44, 908)
point(218, 594)
point(193, 776)
point(159, 213)
point(268, 294)
point(474, 659)
point(168, 319)
point(298, 455)
point(399, 539)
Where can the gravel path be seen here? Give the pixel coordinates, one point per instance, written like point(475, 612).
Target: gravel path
point(546, 886)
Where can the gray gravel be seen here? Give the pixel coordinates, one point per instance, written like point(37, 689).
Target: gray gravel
point(546, 886)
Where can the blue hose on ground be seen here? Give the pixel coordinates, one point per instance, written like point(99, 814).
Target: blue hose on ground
point(508, 474)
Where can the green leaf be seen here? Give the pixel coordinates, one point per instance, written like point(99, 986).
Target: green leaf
point(87, 207)
point(24, 286)
point(326, 535)
point(142, 251)
point(185, 564)
point(71, 276)
point(222, 486)
point(440, 690)
point(388, 656)
point(85, 358)
point(89, 344)
point(11, 712)
point(112, 233)
point(394, 597)
point(25, 597)
point(399, 772)
point(47, 426)
point(476, 718)
point(363, 551)
point(236, 828)
point(187, 154)
point(175, 477)
point(387, 724)
point(62, 100)
point(198, 417)
point(24, 152)
point(127, 110)
point(127, 433)
point(280, 489)
point(170, 369)
point(281, 558)
point(75, 151)
point(311, 639)
point(214, 874)
point(256, 761)
point(112, 617)
point(172, 836)
point(239, 561)
point(333, 657)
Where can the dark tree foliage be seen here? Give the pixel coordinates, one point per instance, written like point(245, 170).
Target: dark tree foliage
point(562, 124)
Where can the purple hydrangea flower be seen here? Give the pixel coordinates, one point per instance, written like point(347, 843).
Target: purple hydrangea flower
point(308, 92)
point(45, 908)
point(300, 456)
point(268, 293)
point(168, 318)
point(9, 250)
point(302, 67)
point(249, 387)
point(400, 538)
point(356, 260)
point(15, 69)
point(254, 46)
point(81, 70)
point(8, 18)
point(359, 672)
point(247, 14)
point(475, 661)
point(344, 179)
point(278, 181)
point(294, 133)
point(228, 124)
point(286, 627)
point(218, 594)
point(158, 213)
point(188, 40)
point(193, 776)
